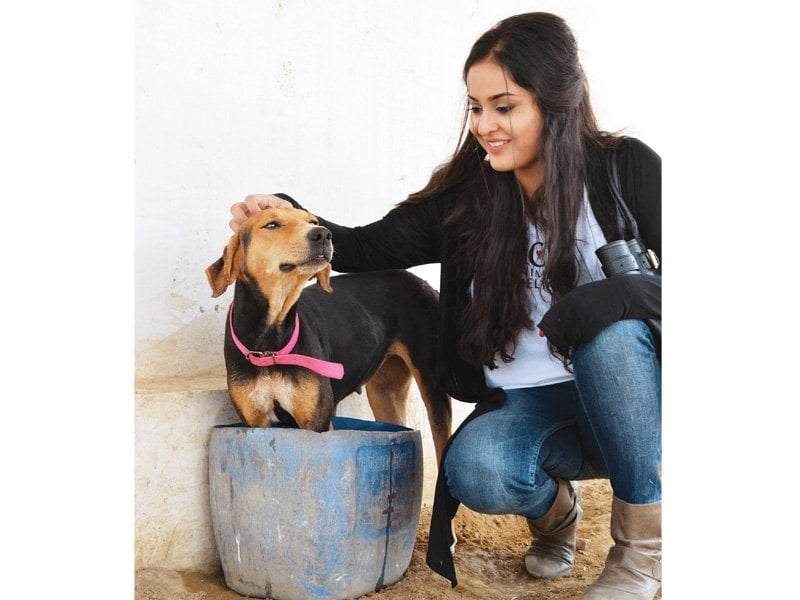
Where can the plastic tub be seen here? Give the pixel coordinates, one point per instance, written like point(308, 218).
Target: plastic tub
point(299, 514)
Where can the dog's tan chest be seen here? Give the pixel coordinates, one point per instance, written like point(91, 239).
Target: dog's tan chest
point(266, 391)
point(257, 400)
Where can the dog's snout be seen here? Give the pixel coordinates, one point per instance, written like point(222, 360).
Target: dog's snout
point(319, 234)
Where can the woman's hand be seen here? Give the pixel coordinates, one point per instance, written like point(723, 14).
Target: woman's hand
point(254, 203)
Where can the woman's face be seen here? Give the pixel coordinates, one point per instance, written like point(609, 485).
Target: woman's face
point(507, 122)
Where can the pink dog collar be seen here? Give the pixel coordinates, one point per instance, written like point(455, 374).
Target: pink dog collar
point(283, 356)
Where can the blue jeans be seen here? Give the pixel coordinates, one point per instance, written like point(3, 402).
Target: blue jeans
point(606, 423)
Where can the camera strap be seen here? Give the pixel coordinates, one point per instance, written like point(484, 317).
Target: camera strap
point(626, 224)
point(628, 228)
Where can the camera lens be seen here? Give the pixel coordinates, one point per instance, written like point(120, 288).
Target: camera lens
point(616, 258)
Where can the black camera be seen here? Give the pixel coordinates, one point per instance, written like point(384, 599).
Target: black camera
point(621, 257)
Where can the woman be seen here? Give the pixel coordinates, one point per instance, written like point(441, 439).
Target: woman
point(559, 359)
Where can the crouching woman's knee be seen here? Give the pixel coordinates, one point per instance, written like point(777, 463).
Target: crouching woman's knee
point(473, 478)
point(620, 342)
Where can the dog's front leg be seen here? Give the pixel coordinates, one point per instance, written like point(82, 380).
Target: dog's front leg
point(313, 404)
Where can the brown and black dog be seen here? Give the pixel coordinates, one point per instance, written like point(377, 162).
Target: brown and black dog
point(380, 327)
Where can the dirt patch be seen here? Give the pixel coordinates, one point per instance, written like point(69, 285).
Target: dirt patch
point(488, 558)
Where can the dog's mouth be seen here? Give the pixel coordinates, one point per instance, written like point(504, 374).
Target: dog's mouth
point(318, 260)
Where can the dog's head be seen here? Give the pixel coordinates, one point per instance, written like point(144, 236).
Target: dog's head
point(278, 250)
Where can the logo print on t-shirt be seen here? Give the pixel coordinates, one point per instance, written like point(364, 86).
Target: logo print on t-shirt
point(535, 265)
point(536, 254)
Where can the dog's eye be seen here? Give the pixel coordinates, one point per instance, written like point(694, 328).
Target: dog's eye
point(314, 222)
point(272, 225)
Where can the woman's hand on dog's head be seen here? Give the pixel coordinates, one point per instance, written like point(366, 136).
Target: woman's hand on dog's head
point(254, 203)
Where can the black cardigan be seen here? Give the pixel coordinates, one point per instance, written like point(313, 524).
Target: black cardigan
point(411, 234)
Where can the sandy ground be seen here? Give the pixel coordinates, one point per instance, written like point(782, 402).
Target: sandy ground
point(488, 557)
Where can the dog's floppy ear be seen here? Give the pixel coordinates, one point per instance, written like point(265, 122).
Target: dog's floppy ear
point(226, 269)
point(324, 278)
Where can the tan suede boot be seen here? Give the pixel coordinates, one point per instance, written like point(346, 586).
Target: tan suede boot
point(633, 566)
point(552, 552)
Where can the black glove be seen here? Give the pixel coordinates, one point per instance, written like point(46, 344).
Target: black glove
point(590, 308)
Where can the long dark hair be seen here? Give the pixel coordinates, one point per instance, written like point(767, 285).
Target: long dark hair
point(540, 54)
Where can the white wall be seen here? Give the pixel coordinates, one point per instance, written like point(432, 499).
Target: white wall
point(348, 106)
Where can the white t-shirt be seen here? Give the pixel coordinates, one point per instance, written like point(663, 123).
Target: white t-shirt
point(533, 365)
